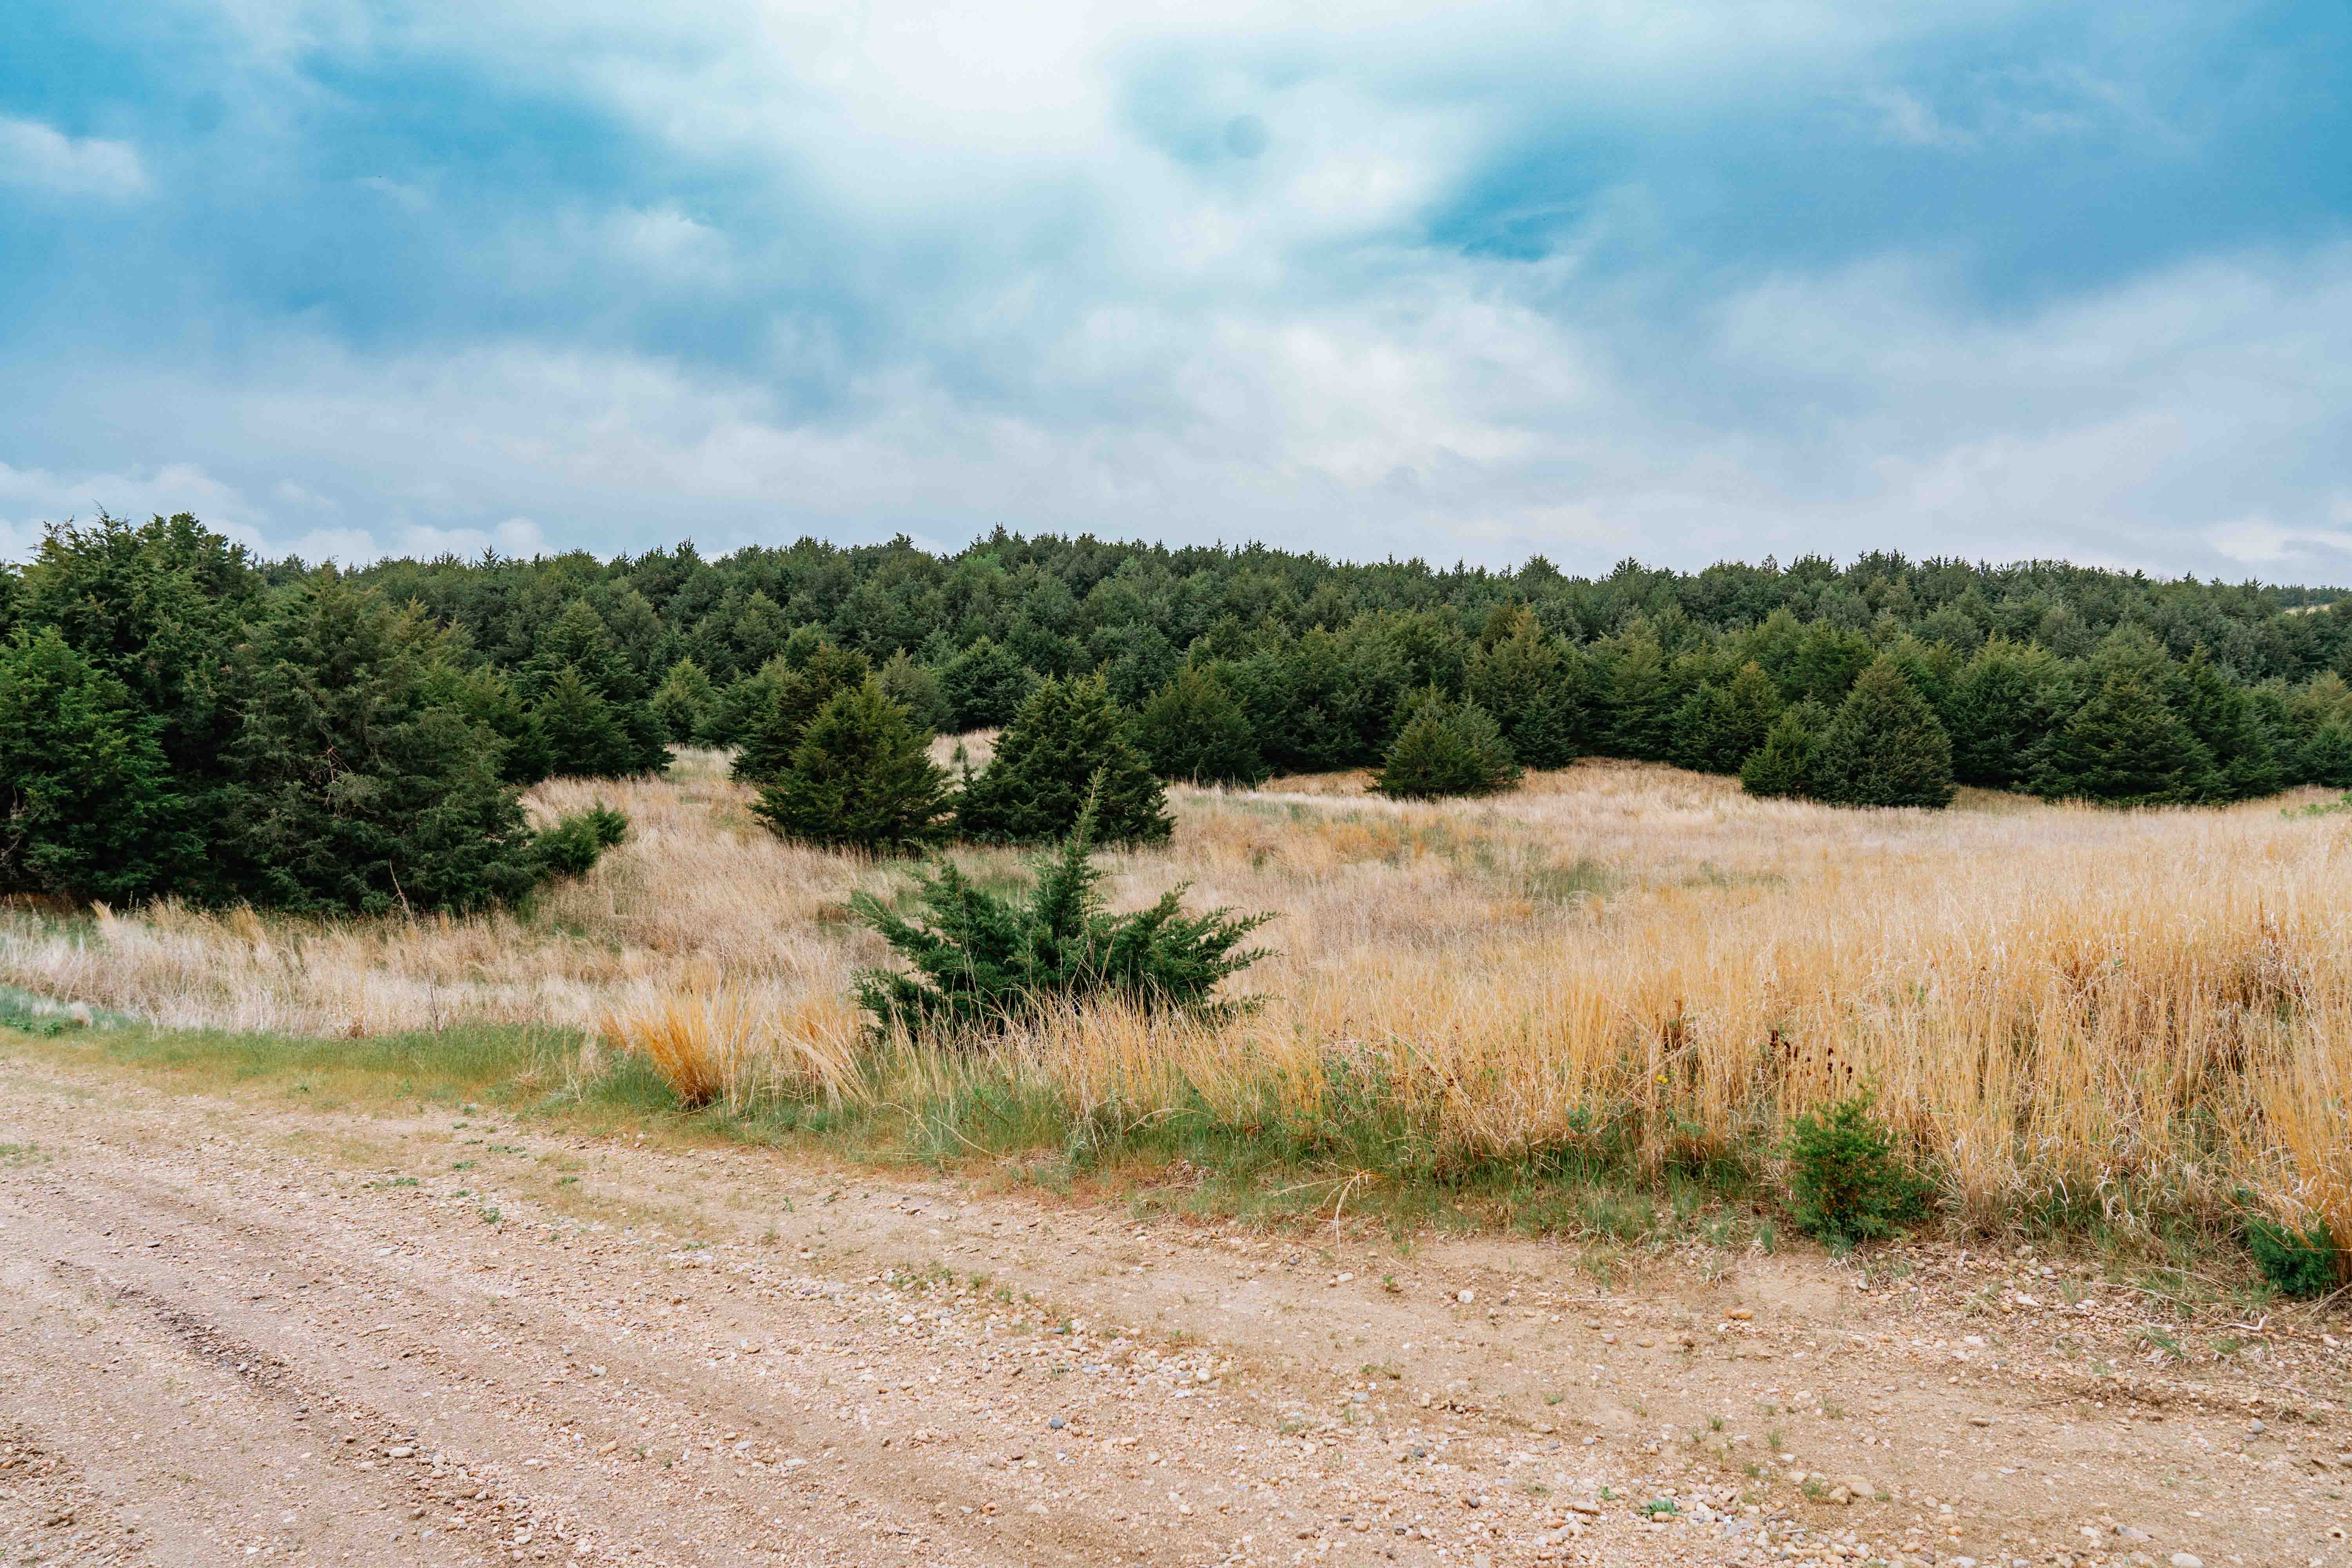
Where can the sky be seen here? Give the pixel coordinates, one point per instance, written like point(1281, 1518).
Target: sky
point(1591, 279)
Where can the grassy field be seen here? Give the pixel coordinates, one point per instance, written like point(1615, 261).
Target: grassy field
point(1592, 1004)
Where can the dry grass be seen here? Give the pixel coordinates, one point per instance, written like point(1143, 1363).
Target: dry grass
point(2065, 1007)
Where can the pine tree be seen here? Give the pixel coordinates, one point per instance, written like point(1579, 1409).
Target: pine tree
point(1534, 686)
point(986, 684)
point(683, 704)
point(795, 693)
point(1998, 712)
point(1884, 747)
point(2124, 746)
point(1444, 749)
point(1717, 728)
point(1067, 738)
point(861, 778)
point(1637, 700)
point(160, 607)
point(1193, 729)
point(486, 699)
point(578, 732)
point(2222, 718)
point(86, 807)
point(579, 642)
point(354, 792)
point(1827, 662)
point(2326, 758)
point(1783, 766)
point(757, 632)
point(917, 687)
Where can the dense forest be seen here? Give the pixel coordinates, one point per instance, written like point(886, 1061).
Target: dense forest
point(178, 716)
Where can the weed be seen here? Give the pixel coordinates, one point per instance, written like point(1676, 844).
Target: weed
point(2296, 1262)
point(1847, 1183)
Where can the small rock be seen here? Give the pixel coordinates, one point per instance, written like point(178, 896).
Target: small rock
point(1057, 1422)
point(1466, 1296)
point(2186, 1559)
point(1979, 1420)
point(2127, 1532)
point(1739, 1314)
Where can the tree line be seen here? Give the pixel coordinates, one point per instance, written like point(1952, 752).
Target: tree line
point(177, 716)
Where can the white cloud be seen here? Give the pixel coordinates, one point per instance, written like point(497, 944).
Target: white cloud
point(38, 157)
point(2189, 420)
point(2258, 541)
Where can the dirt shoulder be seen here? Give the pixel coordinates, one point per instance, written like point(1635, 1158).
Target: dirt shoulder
point(234, 1331)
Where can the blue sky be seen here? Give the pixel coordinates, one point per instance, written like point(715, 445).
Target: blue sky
point(1592, 277)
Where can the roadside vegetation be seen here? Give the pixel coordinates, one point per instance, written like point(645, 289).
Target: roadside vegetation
point(1603, 1004)
point(1770, 895)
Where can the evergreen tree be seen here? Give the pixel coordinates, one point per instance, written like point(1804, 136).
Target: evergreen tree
point(757, 632)
point(1193, 729)
point(683, 704)
point(1446, 748)
point(2224, 720)
point(739, 705)
point(576, 730)
point(1637, 696)
point(354, 792)
point(486, 699)
point(1717, 728)
point(986, 684)
point(2326, 757)
point(87, 809)
point(1829, 659)
point(984, 960)
point(2124, 746)
point(1884, 747)
point(1783, 766)
point(795, 693)
point(1534, 686)
point(160, 607)
point(917, 688)
point(579, 642)
point(861, 778)
point(1998, 714)
point(1067, 738)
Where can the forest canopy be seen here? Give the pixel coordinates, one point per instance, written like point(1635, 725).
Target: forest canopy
point(356, 739)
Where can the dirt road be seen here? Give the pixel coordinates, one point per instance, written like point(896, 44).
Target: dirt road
point(236, 1332)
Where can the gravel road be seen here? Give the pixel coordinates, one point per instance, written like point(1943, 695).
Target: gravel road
point(235, 1329)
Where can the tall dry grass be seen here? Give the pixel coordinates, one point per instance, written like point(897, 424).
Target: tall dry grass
point(2090, 1010)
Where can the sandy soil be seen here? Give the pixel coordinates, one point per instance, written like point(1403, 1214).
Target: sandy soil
point(231, 1332)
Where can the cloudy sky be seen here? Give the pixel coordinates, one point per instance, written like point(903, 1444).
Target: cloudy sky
point(1595, 277)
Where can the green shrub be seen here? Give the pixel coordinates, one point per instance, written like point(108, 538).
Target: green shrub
point(983, 961)
point(2299, 1262)
point(793, 694)
point(86, 807)
point(355, 793)
point(570, 848)
point(1847, 1181)
point(1884, 747)
point(1193, 729)
point(1446, 748)
point(683, 704)
point(1782, 767)
point(862, 778)
point(1068, 744)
